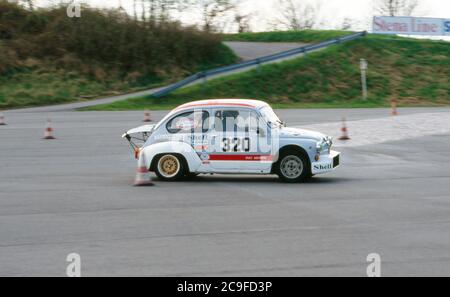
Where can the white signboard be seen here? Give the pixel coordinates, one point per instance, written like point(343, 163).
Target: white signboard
point(411, 26)
point(447, 27)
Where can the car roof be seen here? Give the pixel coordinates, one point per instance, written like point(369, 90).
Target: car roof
point(256, 104)
point(223, 102)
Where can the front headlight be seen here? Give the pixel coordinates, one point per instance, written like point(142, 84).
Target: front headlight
point(319, 147)
point(324, 145)
point(329, 142)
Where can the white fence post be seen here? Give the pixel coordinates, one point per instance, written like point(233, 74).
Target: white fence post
point(363, 67)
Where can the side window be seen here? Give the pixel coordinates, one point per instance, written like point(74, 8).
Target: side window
point(226, 120)
point(189, 122)
point(235, 120)
point(248, 121)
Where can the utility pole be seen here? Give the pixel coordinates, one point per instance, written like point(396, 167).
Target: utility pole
point(363, 67)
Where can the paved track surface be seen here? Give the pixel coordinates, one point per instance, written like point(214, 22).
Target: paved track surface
point(253, 50)
point(74, 194)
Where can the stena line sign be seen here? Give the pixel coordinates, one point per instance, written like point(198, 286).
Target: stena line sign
point(411, 26)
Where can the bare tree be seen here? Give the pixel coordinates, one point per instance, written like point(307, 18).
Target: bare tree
point(396, 7)
point(28, 3)
point(211, 11)
point(135, 10)
point(120, 8)
point(19, 2)
point(143, 11)
point(347, 24)
point(296, 14)
point(156, 11)
point(242, 21)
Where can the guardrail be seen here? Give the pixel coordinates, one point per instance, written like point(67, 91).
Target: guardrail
point(302, 50)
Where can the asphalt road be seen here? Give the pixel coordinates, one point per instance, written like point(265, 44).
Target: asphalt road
point(253, 50)
point(74, 194)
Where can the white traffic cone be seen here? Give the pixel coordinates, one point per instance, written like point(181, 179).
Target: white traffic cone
point(147, 118)
point(2, 119)
point(143, 177)
point(48, 134)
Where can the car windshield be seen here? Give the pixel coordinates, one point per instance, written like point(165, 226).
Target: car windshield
point(270, 116)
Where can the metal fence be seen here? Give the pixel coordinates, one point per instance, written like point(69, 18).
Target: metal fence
point(221, 70)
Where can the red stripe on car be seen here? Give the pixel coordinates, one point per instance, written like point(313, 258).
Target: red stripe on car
point(240, 158)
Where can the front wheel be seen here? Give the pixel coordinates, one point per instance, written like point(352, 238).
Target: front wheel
point(170, 168)
point(293, 168)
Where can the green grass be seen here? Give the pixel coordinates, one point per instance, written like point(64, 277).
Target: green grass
point(306, 36)
point(143, 103)
point(47, 58)
point(415, 72)
point(51, 86)
point(47, 84)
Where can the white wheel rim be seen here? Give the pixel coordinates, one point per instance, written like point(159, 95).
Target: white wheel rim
point(291, 167)
point(169, 166)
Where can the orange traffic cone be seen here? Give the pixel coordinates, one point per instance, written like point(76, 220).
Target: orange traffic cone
point(147, 118)
point(143, 177)
point(48, 134)
point(2, 120)
point(394, 104)
point(344, 131)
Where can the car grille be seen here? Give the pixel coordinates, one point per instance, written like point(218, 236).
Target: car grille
point(336, 161)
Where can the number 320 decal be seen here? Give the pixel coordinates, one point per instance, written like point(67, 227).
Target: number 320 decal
point(236, 144)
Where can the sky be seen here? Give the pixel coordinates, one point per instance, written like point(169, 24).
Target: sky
point(331, 16)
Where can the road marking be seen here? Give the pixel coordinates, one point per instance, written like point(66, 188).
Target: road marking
point(374, 131)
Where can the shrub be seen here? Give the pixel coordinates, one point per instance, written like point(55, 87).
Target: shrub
point(109, 39)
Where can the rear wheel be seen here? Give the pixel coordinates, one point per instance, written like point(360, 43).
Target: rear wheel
point(170, 167)
point(293, 167)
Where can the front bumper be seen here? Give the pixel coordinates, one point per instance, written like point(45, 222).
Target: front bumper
point(326, 163)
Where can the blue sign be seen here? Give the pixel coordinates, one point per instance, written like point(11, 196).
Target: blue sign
point(447, 27)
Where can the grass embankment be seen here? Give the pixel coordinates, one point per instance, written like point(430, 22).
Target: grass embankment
point(48, 58)
point(415, 72)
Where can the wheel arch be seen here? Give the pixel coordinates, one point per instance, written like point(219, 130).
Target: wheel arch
point(155, 159)
point(185, 151)
point(289, 148)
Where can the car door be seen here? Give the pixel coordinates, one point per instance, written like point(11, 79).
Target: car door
point(256, 133)
point(235, 138)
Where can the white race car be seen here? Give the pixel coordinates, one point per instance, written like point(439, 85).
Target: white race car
point(231, 136)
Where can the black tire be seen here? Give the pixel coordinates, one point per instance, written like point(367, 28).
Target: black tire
point(288, 172)
point(170, 167)
point(192, 174)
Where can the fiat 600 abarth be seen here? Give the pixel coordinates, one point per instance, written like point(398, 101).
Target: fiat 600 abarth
point(231, 136)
